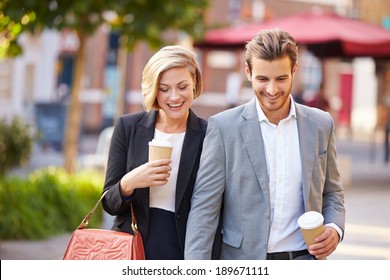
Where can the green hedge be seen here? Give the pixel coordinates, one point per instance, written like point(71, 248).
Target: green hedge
point(48, 202)
point(16, 144)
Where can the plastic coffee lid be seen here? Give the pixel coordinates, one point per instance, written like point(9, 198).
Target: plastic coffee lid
point(310, 220)
point(160, 143)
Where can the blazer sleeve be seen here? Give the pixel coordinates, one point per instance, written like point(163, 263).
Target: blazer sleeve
point(207, 196)
point(113, 202)
point(333, 194)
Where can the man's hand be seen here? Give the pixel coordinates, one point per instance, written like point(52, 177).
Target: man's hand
point(325, 244)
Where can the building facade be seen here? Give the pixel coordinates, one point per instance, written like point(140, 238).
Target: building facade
point(113, 76)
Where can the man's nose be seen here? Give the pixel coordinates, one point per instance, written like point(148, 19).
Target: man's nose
point(272, 88)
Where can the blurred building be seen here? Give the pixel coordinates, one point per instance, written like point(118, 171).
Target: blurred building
point(43, 75)
point(378, 12)
point(357, 90)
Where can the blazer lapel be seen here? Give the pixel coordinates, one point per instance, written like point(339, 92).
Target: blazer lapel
point(144, 134)
point(253, 140)
point(307, 145)
point(191, 146)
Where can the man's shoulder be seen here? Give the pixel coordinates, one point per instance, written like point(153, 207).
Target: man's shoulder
point(312, 112)
point(320, 118)
point(231, 113)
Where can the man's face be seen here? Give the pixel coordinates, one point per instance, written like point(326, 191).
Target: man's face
point(272, 83)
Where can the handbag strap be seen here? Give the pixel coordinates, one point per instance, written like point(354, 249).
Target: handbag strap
point(85, 221)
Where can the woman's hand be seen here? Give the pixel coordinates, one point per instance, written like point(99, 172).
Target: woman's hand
point(150, 174)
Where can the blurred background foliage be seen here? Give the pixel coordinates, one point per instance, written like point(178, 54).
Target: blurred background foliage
point(137, 20)
point(48, 202)
point(16, 144)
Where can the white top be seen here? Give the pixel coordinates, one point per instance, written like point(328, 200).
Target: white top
point(285, 173)
point(163, 197)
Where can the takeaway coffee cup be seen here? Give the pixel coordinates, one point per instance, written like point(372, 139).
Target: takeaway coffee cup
point(160, 149)
point(312, 225)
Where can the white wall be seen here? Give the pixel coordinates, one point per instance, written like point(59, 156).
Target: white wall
point(365, 94)
point(34, 73)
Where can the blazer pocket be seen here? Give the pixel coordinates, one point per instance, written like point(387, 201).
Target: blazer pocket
point(321, 158)
point(231, 237)
point(319, 172)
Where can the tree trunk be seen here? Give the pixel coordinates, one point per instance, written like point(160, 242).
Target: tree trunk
point(123, 68)
point(73, 121)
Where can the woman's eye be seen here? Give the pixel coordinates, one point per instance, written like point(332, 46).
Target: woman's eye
point(163, 89)
point(183, 87)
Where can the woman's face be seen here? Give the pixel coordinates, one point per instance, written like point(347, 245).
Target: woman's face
point(176, 93)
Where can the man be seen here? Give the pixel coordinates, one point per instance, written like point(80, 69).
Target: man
point(267, 162)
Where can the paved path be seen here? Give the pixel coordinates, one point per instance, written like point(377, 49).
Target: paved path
point(367, 202)
point(50, 249)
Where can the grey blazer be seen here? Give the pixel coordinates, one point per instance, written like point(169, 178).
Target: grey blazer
point(233, 172)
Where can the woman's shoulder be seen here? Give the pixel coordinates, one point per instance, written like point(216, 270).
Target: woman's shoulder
point(202, 123)
point(197, 122)
point(143, 118)
point(134, 117)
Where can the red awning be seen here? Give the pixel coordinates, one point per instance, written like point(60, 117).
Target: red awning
point(326, 34)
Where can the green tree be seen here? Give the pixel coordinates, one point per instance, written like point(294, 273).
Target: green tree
point(135, 20)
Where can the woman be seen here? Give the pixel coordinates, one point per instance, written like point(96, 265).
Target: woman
point(159, 191)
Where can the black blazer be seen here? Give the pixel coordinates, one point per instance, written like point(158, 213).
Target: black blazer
point(128, 150)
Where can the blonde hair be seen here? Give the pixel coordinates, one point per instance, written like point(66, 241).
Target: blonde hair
point(165, 59)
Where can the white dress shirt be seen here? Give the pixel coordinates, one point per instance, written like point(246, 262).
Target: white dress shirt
point(285, 173)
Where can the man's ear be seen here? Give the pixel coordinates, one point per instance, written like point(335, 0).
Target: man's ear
point(294, 69)
point(248, 72)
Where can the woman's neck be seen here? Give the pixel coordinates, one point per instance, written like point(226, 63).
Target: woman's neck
point(170, 125)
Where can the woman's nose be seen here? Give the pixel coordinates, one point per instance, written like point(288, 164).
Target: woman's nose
point(174, 95)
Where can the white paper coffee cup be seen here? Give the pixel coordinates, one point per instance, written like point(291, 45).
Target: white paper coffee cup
point(312, 225)
point(160, 149)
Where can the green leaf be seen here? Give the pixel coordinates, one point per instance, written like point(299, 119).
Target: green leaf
point(137, 19)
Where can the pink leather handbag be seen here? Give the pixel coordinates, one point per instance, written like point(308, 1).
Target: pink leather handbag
point(101, 244)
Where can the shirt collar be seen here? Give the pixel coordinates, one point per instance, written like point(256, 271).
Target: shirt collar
point(263, 117)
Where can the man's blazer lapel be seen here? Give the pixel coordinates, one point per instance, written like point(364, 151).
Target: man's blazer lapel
point(307, 144)
point(253, 140)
